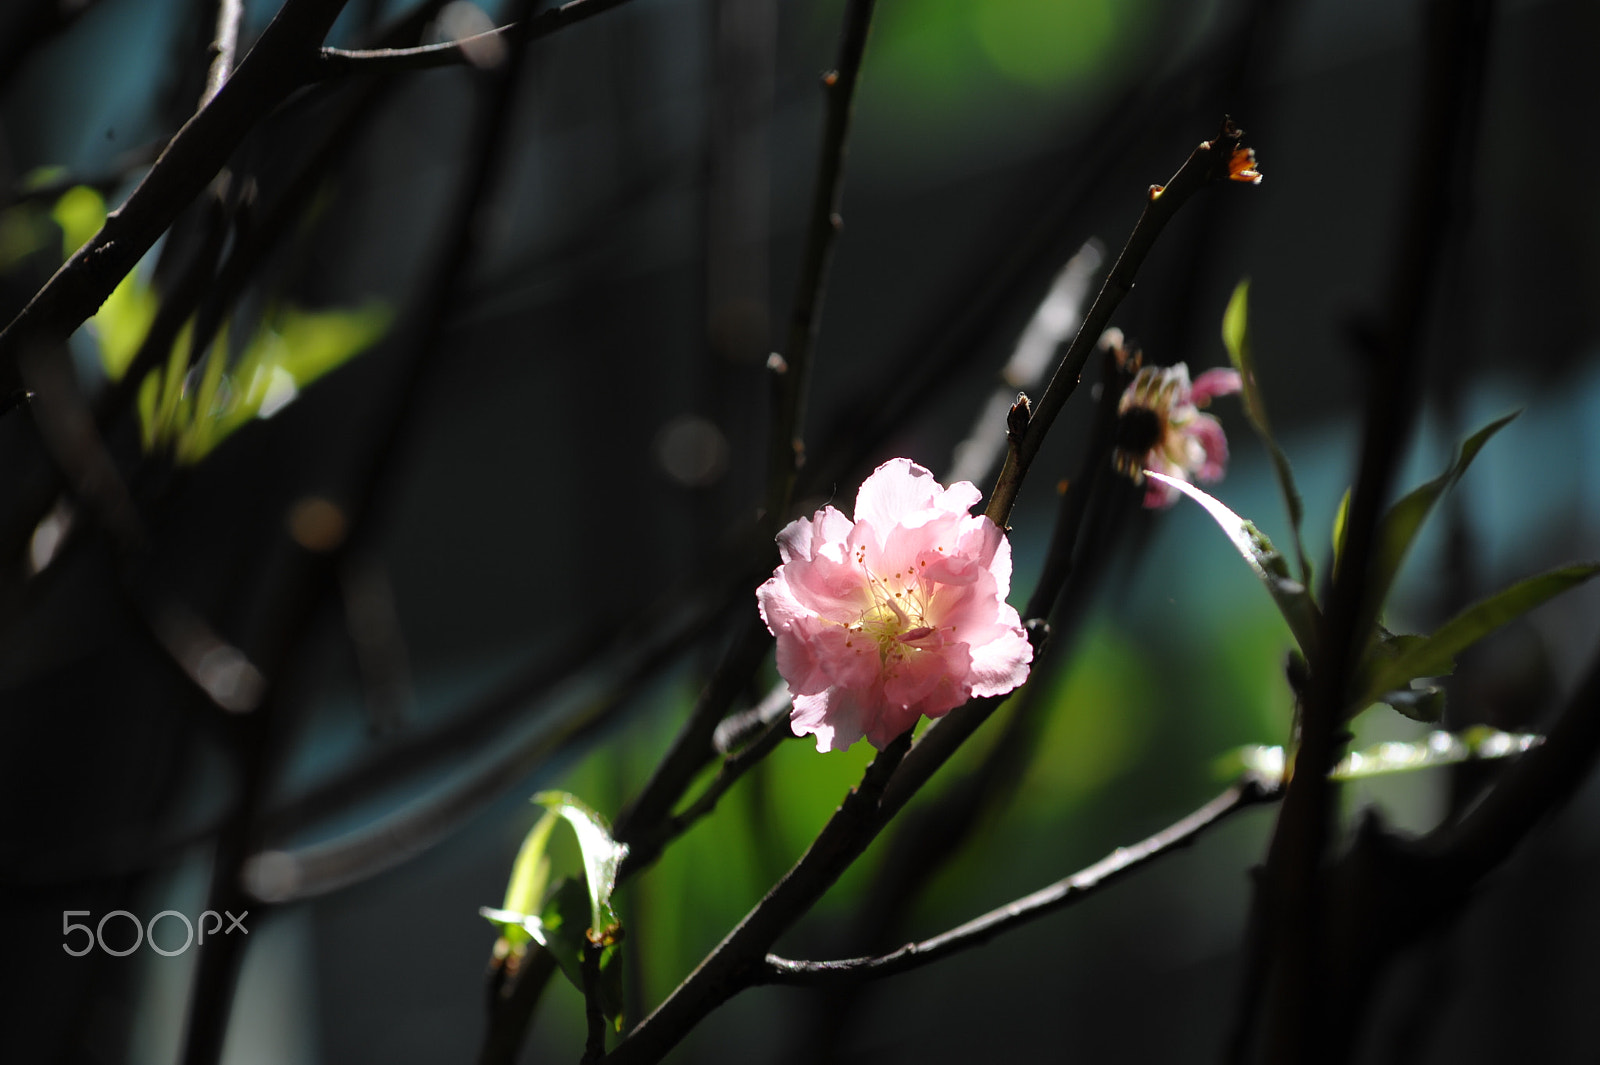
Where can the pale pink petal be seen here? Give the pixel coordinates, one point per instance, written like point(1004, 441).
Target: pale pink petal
point(891, 723)
point(910, 550)
point(899, 614)
point(832, 717)
point(1220, 381)
point(794, 540)
point(897, 488)
point(850, 659)
point(959, 498)
point(1002, 664)
point(789, 621)
point(1208, 432)
point(912, 678)
point(834, 590)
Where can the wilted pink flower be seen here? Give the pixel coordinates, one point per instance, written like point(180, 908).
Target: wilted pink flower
point(897, 614)
point(1160, 428)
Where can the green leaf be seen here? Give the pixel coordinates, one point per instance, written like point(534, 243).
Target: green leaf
point(316, 342)
point(1340, 516)
point(1291, 597)
point(1236, 338)
point(290, 350)
point(123, 320)
point(1438, 748)
point(80, 212)
point(1432, 656)
point(122, 323)
point(601, 855)
point(530, 874)
point(1400, 525)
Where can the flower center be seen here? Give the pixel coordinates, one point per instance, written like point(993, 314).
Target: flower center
point(1138, 430)
point(898, 614)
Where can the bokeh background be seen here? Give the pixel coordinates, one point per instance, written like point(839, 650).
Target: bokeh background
point(576, 475)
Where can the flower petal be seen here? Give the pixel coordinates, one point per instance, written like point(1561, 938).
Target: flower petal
point(1208, 432)
point(894, 490)
point(1002, 664)
point(833, 717)
point(1221, 381)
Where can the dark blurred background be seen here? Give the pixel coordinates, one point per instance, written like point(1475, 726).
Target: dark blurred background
point(548, 465)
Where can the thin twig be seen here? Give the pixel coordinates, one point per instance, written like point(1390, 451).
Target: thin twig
point(692, 748)
point(594, 1047)
point(281, 61)
point(1206, 164)
point(223, 47)
point(1242, 795)
point(645, 849)
point(1064, 538)
point(786, 447)
point(336, 62)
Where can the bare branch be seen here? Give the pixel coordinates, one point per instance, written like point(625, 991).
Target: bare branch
point(224, 47)
point(1208, 163)
point(337, 62)
point(281, 61)
point(1247, 792)
point(740, 958)
point(786, 448)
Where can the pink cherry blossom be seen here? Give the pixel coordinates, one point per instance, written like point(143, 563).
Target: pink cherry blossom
point(1160, 428)
point(898, 614)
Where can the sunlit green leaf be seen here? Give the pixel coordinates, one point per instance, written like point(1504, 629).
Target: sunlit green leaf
point(1433, 656)
point(1236, 338)
point(601, 854)
point(290, 350)
point(1293, 600)
point(1400, 525)
point(315, 342)
point(530, 874)
point(80, 212)
point(121, 323)
point(1340, 516)
point(1438, 748)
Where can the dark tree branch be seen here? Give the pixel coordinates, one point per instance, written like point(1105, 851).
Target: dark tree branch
point(1296, 1023)
point(890, 781)
point(284, 59)
point(739, 959)
point(336, 62)
point(1209, 162)
point(645, 849)
point(639, 825)
point(224, 47)
point(786, 446)
point(1242, 795)
point(1542, 780)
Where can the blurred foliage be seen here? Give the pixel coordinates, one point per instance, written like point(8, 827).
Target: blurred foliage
point(191, 405)
point(123, 320)
point(290, 350)
point(997, 68)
